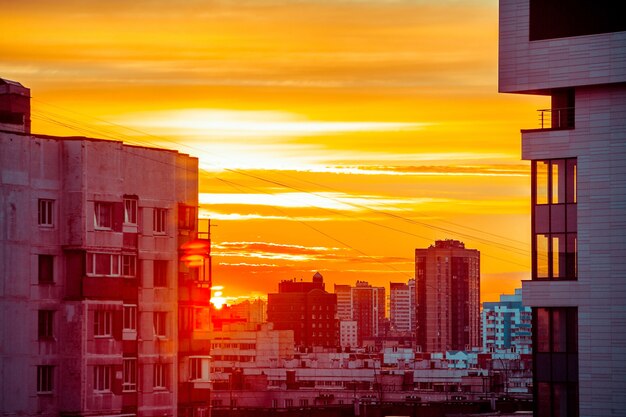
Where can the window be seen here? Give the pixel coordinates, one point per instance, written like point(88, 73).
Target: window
point(46, 213)
point(111, 265)
point(554, 216)
point(130, 317)
point(45, 324)
point(102, 378)
point(129, 383)
point(288, 403)
point(160, 273)
point(199, 369)
point(46, 269)
point(103, 215)
point(160, 323)
point(555, 351)
point(102, 323)
point(186, 217)
point(159, 220)
point(45, 379)
point(130, 211)
point(160, 375)
point(304, 402)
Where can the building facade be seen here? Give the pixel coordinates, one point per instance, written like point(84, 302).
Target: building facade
point(368, 310)
point(574, 52)
point(506, 324)
point(447, 285)
point(91, 281)
point(402, 306)
point(308, 310)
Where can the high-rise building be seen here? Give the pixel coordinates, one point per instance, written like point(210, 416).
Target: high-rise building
point(575, 53)
point(506, 324)
point(344, 301)
point(368, 310)
point(91, 282)
point(307, 309)
point(447, 285)
point(402, 306)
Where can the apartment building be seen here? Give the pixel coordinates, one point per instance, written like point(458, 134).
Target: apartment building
point(91, 279)
point(574, 52)
point(402, 306)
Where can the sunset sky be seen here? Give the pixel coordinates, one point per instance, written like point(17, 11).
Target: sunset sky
point(333, 135)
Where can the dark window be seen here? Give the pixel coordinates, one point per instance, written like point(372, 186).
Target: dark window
point(130, 210)
point(45, 324)
point(555, 351)
point(160, 273)
point(186, 217)
point(159, 220)
point(160, 323)
point(554, 216)
point(563, 18)
point(46, 269)
point(103, 215)
point(102, 378)
point(45, 379)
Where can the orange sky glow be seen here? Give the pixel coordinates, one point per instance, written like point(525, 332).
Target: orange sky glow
point(333, 135)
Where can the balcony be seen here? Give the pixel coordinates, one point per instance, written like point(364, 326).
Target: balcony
point(554, 119)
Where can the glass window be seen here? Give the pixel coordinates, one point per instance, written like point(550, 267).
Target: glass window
point(111, 265)
point(160, 323)
point(186, 217)
point(160, 273)
point(46, 213)
point(130, 317)
point(103, 215)
point(160, 375)
point(45, 324)
point(129, 383)
point(159, 220)
point(130, 211)
point(46, 269)
point(102, 323)
point(102, 378)
point(45, 379)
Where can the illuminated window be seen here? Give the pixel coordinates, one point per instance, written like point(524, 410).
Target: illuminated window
point(186, 217)
point(46, 213)
point(159, 220)
point(129, 383)
point(102, 323)
point(554, 224)
point(45, 379)
point(103, 215)
point(102, 378)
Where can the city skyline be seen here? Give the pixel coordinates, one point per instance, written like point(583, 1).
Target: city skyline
point(324, 146)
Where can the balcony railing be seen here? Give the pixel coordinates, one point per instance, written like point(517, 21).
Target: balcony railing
point(562, 118)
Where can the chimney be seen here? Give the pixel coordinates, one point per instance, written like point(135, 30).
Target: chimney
point(14, 107)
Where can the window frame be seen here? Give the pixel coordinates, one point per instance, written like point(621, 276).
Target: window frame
point(129, 317)
point(186, 217)
point(103, 215)
point(160, 376)
point(45, 324)
point(45, 212)
point(131, 211)
point(45, 379)
point(159, 221)
point(102, 378)
point(129, 374)
point(159, 322)
point(554, 219)
point(102, 324)
point(123, 265)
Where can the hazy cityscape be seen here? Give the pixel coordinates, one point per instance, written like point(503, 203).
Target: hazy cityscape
point(118, 299)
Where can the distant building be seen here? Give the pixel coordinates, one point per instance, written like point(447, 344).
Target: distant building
point(97, 313)
point(573, 52)
point(402, 306)
point(344, 301)
point(368, 310)
point(308, 310)
point(506, 324)
point(253, 311)
point(348, 333)
point(447, 280)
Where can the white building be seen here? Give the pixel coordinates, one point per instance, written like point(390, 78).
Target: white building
point(348, 333)
point(575, 53)
point(402, 306)
point(507, 324)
